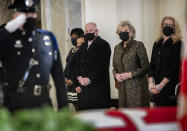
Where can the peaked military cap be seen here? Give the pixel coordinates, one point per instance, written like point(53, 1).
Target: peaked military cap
point(24, 5)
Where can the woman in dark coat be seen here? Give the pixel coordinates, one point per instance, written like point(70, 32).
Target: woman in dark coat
point(165, 63)
point(72, 65)
point(130, 66)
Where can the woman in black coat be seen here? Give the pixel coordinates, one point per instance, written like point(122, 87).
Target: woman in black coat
point(70, 72)
point(165, 63)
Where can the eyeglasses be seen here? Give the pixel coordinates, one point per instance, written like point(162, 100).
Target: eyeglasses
point(170, 25)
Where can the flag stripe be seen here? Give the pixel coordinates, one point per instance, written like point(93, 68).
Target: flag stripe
point(184, 77)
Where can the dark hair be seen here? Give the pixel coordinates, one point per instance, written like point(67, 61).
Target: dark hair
point(78, 31)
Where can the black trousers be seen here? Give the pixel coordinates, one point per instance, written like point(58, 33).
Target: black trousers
point(14, 100)
point(161, 101)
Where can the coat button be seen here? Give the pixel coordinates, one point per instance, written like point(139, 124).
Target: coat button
point(18, 53)
point(33, 50)
point(82, 60)
point(50, 53)
point(36, 62)
point(82, 71)
point(38, 75)
point(30, 39)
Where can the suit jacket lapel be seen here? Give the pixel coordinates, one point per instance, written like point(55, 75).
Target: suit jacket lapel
point(93, 43)
point(85, 51)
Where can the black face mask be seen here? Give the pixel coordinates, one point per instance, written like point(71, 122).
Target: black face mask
point(124, 36)
point(74, 41)
point(89, 36)
point(29, 25)
point(167, 30)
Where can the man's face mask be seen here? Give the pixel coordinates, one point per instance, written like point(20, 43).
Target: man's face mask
point(29, 25)
point(89, 36)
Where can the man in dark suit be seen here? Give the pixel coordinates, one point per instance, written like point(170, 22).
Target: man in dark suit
point(28, 57)
point(94, 92)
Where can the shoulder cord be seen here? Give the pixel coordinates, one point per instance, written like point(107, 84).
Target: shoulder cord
point(31, 64)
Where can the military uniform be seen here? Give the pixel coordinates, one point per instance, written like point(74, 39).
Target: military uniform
point(16, 50)
point(28, 57)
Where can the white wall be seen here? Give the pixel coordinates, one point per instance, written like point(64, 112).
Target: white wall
point(131, 10)
point(103, 13)
point(150, 23)
point(145, 15)
point(174, 8)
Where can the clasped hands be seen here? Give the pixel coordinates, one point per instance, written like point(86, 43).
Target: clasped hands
point(123, 76)
point(83, 81)
point(155, 89)
point(68, 82)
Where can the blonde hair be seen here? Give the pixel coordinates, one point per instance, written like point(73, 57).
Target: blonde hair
point(129, 24)
point(176, 36)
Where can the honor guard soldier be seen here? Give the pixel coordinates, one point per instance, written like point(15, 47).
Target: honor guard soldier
point(28, 57)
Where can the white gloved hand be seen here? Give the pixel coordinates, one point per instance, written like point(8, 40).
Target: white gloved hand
point(14, 24)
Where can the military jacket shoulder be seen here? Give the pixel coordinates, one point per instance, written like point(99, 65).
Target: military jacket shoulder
point(46, 35)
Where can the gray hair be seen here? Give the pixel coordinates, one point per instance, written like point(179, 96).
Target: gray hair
point(93, 23)
point(129, 24)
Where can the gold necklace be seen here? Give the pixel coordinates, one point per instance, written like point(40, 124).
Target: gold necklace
point(74, 49)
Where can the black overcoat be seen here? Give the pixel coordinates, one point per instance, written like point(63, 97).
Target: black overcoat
point(165, 62)
point(94, 64)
